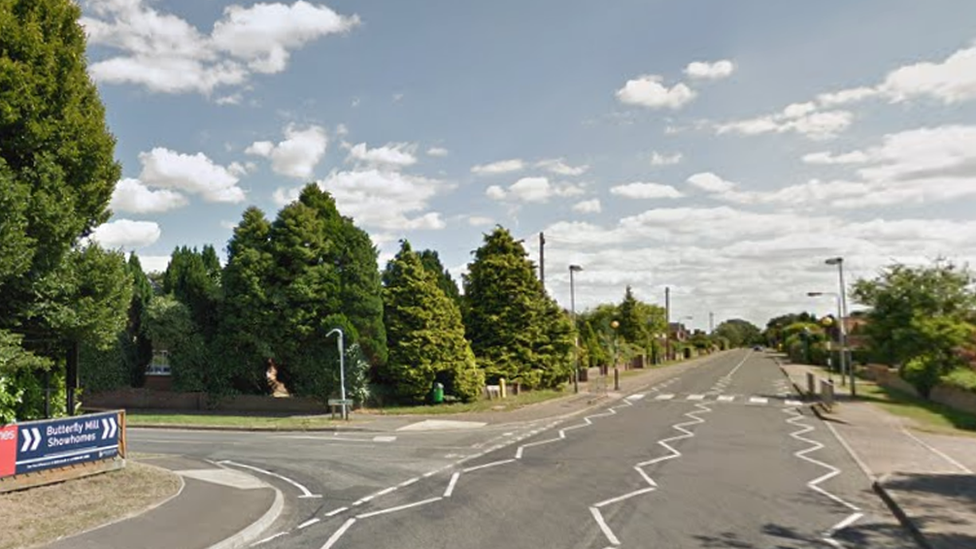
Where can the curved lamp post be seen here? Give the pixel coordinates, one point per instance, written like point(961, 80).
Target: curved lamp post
point(839, 261)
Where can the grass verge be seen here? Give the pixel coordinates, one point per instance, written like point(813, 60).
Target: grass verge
point(41, 515)
point(511, 403)
point(928, 416)
point(271, 423)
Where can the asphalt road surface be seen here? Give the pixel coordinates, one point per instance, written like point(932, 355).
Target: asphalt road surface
point(721, 456)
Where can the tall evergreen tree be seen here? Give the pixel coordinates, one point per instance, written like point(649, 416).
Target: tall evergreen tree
point(138, 351)
point(425, 334)
point(632, 327)
point(432, 262)
point(245, 339)
point(516, 330)
point(192, 281)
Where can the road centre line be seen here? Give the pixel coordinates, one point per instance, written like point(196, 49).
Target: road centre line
point(406, 483)
point(308, 523)
point(399, 508)
point(386, 491)
point(305, 491)
point(736, 369)
point(335, 512)
point(269, 538)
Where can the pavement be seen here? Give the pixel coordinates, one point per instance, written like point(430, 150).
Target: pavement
point(926, 479)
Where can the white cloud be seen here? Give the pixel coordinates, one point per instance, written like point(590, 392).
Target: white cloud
point(951, 81)
point(711, 183)
point(495, 192)
point(437, 151)
point(800, 118)
point(380, 199)
point(390, 156)
point(844, 97)
point(588, 206)
point(480, 221)
point(711, 71)
point(824, 157)
point(298, 154)
point(663, 159)
point(646, 191)
point(125, 233)
point(195, 174)
point(648, 91)
point(531, 189)
point(165, 53)
point(558, 166)
point(499, 167)
point(130, 195)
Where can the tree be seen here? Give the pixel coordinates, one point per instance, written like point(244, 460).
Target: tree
point(138, 351)
point(245, 340)
point(172, 328)
point(57, 170)
point(517, 332)
point(739, 333)
point(632, 327)
point(425, 336)
point(432, 262)
point(191, 278)
point(921, 319)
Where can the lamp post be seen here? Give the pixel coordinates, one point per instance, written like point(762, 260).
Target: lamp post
point(839, 261)
point(342, 371)
point(572, 308)
point(840, 311)
point(616, 351)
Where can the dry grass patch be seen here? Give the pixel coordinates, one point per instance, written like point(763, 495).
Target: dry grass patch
point(46, 513)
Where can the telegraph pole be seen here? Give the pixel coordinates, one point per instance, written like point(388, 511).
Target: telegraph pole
point(667, 323)
point(542, 259)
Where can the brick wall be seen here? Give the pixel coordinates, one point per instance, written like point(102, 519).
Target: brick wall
point(148, 399)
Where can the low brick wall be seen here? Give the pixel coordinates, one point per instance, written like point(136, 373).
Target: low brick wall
point(148, 399)
point(888, 377)
point(954, 397)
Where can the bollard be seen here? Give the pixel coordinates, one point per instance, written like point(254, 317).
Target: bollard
point(811, 384)
point(501, 388)
point(827, 393)
point(616, 379)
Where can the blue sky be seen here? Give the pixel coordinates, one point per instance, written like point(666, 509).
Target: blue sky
point(723, 149)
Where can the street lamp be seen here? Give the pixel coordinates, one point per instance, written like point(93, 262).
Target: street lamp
point(839, 261)
point(572, 308)
point(840, 312)
point(342, 371)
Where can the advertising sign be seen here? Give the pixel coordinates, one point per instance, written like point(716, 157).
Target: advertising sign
point(39, 445)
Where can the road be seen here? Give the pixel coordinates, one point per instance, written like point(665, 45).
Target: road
point(718, 457)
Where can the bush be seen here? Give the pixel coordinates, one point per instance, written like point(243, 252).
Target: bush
point(923, 372)
point(962, 378)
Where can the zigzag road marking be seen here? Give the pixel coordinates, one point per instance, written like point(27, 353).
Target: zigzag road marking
point(674, 453)
point(814, 484)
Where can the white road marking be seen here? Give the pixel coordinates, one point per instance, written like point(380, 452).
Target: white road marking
point(305, 492)
point(406, 483)
point(636, 397)
point(487, 465)
point(736, 369)
point(308, 523)
point(450, 485)
point(384, 438)
point(267, 539)
point(398, 508)
point(625, 496)
point(335, 512)
point(695, 397)
point(726, 398)
point(758, 400)
point(794, 403)
point(386, 491)
point(338, 533)
point(598, 516)
point(664, 397)
point(815, 483)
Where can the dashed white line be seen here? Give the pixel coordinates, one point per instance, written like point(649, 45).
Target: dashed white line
point(450, 485)
point(308, 523)
point(695, 397)
point(794, 403)
point(399, 508)
point(726, 398)
point(335, 512)
point(664, 397)
point(406, 483)
point(267, 539)
point(386, 491)
point(758, 400)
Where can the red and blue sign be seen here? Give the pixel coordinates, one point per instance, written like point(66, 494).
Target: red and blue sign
point(39, 445)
